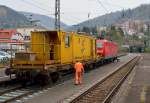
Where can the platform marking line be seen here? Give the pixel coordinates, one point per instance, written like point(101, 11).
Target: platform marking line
point(143, 94)
point(132, 77)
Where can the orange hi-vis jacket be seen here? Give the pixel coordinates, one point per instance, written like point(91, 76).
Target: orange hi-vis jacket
point(79, 67)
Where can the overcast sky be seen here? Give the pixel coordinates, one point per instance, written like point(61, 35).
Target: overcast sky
point(73, 11)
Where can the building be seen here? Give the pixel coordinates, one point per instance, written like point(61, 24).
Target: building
point(10, 39)
point(101, 28)
point(132, 27)
point(26, 31)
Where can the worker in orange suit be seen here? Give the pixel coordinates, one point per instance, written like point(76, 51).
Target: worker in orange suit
point(79, 70)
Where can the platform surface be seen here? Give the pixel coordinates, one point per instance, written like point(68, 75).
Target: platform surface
point(139, 91)
point(59, 93)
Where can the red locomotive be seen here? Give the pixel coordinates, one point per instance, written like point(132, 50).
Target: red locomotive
point(108, 50)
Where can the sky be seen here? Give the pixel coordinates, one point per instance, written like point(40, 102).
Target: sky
point(73, 11)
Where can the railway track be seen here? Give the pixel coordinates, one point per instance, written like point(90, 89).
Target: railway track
point(11, 90)
point(103, 91)
point(13, 93)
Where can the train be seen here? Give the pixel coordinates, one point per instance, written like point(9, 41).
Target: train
point(52, 53)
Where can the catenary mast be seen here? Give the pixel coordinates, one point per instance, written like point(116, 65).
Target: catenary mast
point(57, 14)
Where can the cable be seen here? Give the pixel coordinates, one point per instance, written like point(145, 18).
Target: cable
point(102, 6)
point(105, 9)
point(40, 3)
point(32, 4)
point(47, 12)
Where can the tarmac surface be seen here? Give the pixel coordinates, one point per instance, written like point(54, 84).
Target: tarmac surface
point(136, 89)
point(59, 93)
point(139, 91)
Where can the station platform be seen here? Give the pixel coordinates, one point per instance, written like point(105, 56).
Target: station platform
point(4, 77)
point(61, 92)
point(139, 86)
point(2, 72)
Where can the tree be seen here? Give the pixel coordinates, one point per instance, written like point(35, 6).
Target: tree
point(112, 27)
point(78, 30)
point(86, 29)
point(90, 30)
point(94, 30)
point(121, 32)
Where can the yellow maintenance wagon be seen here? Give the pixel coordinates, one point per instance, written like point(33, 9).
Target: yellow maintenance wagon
point(51, 52)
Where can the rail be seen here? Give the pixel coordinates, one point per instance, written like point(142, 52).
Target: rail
point(13, 94)
point(114, 91)
point(103, 91)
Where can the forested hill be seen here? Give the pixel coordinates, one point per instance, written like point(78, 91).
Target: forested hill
point(10, 18)
point(140, 13)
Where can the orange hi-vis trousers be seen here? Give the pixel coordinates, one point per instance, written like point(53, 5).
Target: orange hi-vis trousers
point(78, 72)
point(78, 78)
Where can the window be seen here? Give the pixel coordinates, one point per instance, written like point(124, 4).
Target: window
point(67, 41)
point(99, 45)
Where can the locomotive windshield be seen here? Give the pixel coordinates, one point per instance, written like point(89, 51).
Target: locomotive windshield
point(99, 45)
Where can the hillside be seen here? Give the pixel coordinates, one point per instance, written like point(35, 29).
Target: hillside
point(140, 13)
point(9, 18)
point(45, 21)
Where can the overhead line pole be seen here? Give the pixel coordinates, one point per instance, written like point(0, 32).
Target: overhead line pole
point(57, 14)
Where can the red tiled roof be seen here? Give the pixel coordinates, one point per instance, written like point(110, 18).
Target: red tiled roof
point(7, 34)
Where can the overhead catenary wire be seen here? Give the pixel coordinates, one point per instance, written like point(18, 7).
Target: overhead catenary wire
point(32, 4)
point(39, 3)
point(103, 6)
point(46, 11)
point(107, 11)
point(52, 14)
point(75, 19)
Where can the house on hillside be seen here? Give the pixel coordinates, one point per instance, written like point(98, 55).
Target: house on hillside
point(10, 39)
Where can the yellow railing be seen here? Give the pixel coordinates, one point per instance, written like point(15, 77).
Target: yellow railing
point(44, 52)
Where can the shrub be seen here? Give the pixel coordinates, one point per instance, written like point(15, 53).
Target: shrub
point(147, 50)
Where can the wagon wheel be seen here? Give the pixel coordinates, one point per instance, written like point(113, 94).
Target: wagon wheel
point(55, 76)
point(42, 79)
point(46, 80)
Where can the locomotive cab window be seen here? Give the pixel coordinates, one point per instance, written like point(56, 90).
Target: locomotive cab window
point(67, 41)
point(99, 45)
